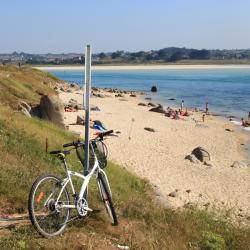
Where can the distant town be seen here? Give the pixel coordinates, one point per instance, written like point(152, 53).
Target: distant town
point(166, 55)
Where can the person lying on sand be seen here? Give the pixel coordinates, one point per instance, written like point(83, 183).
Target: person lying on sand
point(244, 123)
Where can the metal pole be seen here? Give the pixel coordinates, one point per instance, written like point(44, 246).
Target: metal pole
point(86, 104)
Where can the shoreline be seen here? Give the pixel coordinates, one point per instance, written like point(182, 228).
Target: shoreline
point(144, 67)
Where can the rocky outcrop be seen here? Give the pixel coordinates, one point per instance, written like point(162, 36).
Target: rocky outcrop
point(153, 89)
point(52, 109)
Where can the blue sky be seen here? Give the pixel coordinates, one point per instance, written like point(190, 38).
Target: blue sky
point(109, 25)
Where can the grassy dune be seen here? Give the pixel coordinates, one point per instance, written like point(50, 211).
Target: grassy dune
point(144, 224)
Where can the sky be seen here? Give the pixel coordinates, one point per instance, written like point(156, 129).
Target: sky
point(59, 26)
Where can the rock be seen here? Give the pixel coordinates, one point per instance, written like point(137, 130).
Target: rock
point(123, 100)
point(150, 129)
point(72, 101)
point(52, 109)
point(173, 194)
point(239, 164)
point(80, 120)
point(148, 98)
point(75, 86)
point(229, 130)
point(171, 99)
point(69, 91)
point(158, 109)
point(141, 104)
point(188, 191)
point(119, 95)
point(192, 158)
point(153, 89)
point(94, 108)
point(95, 89)
point(201, 154)
point(150, 104)
point(132, 95)
point(117, 132)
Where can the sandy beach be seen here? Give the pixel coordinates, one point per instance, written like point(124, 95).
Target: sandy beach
point(144, 67)
point(160, 156)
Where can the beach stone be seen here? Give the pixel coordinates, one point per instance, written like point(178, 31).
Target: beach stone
point(171, 99)
point(158, 109)
point(201, 154)
point(119, 95)
point(150, 104)
point(132, 95)
point(95, 89)
point(153, 89)
point(80, 120)
point(239, 164)
point(94, 108)
point(148, 98)
point(192, 158)
point(123, 100)
point(141, 104)
point(173, 194)
point(150, 129)
point(52, 109)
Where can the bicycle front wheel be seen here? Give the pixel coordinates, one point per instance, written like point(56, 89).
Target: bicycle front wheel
point(48, 216)
point(106, 198)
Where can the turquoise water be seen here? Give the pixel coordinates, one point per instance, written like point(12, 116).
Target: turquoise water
point(226, 90)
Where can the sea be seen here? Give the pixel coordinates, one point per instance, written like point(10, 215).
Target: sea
point(226, 90)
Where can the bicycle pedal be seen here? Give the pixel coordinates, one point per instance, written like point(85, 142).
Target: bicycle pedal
point(88, 209)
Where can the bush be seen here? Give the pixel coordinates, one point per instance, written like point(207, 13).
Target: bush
point(212, 241)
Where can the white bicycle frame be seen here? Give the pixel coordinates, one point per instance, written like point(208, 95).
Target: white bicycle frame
point(95, 170)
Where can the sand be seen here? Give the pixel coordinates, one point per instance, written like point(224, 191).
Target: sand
point(159, 156)
point(144, 67)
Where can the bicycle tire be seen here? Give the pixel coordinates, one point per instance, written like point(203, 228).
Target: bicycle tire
point(107, 199)
point(45, 227)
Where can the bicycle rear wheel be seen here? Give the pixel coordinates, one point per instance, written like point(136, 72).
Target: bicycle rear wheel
point(48, 218)
point(106, 198)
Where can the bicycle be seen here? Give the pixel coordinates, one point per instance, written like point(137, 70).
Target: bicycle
point(50, 203)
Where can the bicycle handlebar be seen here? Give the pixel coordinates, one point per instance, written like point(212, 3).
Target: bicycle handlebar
point(74, 143)
point(78, 143)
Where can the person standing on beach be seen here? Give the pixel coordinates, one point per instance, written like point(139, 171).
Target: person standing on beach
point(206, 107)
point(182, 103)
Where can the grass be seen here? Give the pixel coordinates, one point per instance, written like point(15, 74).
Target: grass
point(144, 224)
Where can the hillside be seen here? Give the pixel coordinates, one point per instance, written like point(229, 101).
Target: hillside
point(144, 223)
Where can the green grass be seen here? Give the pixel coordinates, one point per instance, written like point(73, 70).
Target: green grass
point(144, 224)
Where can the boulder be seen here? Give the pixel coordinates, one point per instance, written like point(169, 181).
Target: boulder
point(158, 109)
point(52, 109)
point(153, 89)
point(201, 154)
point(80, 120)
point(150, 104)
point(141, 104)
